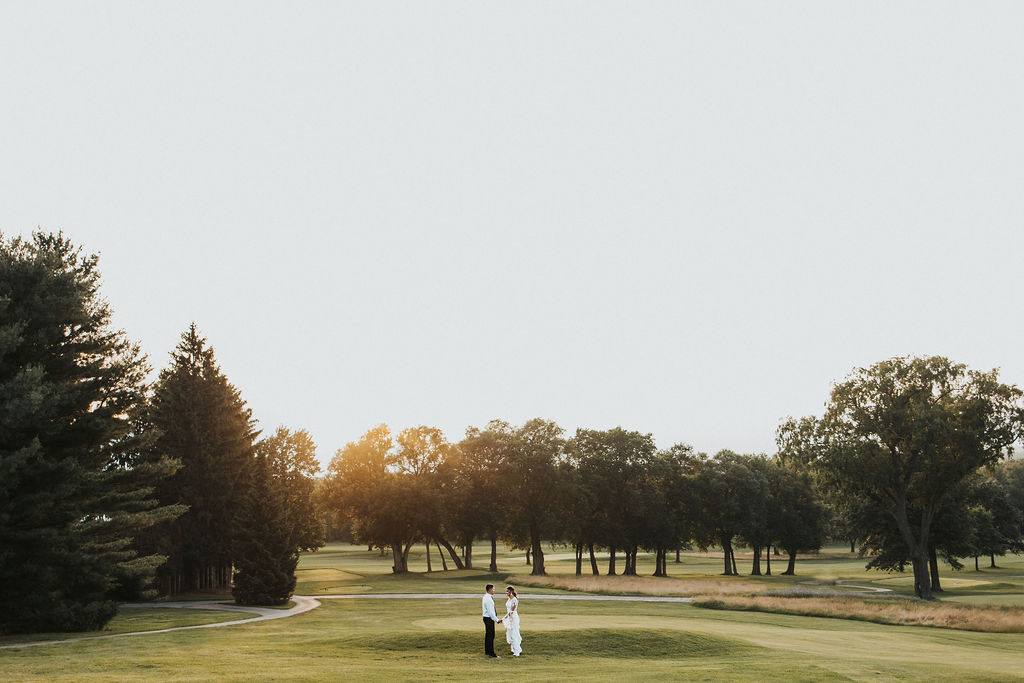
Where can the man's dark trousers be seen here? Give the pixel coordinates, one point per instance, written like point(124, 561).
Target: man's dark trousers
point(489, 637)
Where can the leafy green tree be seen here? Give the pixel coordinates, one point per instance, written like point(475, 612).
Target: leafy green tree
point(77, 467)
point(423, 459)
point(364, 487)
point(798, 516)
point(535, 493)
point(476, 468)
point(727, 491)
point(801, 517)
point(204, 424)
point(671, 511)
point(996, 520)
point(614, 466)
point(277, 519)
point(759, 520)
point(906, 431)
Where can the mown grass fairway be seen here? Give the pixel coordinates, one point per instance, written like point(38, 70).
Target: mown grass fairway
point(418, 639)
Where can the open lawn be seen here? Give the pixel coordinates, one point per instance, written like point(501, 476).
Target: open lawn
point(420, 639)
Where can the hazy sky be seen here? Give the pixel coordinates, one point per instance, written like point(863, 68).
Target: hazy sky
point(683, 218)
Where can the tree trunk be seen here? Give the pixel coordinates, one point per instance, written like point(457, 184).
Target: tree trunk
point(755, 568)
point(922, 575)
point(593, 560)
point(538, 558)
point(611, 561)
point(917, 548)
point(732, 555)
point(429, 568)
point(528, 550)
point(933, 566)
point(677, 556)
point(791, 567)
point(405, 555)
point(976, 564)
point(727, 555)
point(493, 568)
point(630, 569)
point(853, 546)
point(768, 560)
point(399, 566)
point(451, 551)
point(444, 565)
point(468, 552)
point(661, 562)
point(579, 559)
point(992, 561)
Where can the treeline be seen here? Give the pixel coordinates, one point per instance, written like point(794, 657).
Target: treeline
point(906, 463)
point(612, 491)
point(112, 487)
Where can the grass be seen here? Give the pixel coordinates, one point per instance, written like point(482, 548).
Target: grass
point(133, 619)
point(373, 639)
point(439, 639)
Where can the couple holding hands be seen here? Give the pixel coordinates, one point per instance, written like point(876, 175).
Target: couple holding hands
point(511, 621)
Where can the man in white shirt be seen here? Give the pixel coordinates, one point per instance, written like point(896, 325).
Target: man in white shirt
point(490, 619)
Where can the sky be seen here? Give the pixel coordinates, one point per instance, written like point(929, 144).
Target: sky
point(687, 219)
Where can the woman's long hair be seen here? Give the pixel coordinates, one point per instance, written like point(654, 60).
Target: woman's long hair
point(514, 594)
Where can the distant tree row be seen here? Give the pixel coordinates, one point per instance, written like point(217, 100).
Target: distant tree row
point(107, 481)
point(599, 490)
point(905, 462)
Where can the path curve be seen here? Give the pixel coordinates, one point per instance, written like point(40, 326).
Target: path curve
point(305, 603)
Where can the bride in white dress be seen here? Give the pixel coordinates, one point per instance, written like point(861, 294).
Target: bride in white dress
point(511, 621)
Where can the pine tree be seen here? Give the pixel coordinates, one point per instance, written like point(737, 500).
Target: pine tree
point(205, 424)
point(277, 520)
point(77, 466)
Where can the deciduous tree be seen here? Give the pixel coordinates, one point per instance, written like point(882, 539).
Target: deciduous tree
point(906, 431)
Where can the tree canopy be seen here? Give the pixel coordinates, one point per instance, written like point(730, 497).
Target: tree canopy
point(905, 432)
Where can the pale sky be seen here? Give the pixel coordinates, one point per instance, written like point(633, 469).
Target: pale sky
point(683, 218)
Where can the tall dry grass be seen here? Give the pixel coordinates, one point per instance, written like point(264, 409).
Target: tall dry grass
point(639, 585)
point(991, 619)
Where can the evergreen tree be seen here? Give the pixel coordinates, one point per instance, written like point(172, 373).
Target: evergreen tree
point(77, 465)
point(204, 424)
point(277, 519)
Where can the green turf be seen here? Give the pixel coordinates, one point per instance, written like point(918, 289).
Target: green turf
point(432, 639)
point(132, 619)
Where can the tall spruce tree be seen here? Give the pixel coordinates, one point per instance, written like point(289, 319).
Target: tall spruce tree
point(77, 466)
point(277, 519)
point(205, 424)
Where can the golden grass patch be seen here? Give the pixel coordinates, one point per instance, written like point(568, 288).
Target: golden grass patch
point(639, 585)
point(991, 619)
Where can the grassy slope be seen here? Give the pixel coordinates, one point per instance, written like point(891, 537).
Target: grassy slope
point(440, 639)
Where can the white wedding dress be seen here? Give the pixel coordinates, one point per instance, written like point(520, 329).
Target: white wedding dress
point(511, 621)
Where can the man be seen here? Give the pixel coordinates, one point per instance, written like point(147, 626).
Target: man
point(490, 619)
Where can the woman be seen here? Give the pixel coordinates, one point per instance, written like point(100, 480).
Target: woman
point(511, 621)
